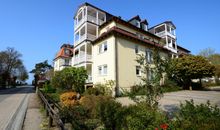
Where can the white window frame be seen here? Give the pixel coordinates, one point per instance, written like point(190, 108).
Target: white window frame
point(149, 56)
point(101, 48)
point(103, 70)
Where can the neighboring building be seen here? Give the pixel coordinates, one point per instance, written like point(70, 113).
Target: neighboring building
point(107, 46)
point(63, 57)
point(182, 51)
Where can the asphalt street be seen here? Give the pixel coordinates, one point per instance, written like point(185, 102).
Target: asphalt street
point(13, 105)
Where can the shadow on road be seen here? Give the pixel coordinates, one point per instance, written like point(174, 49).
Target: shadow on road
point(18, 90)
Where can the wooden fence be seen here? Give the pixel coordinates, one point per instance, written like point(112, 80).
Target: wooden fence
point(52, 110)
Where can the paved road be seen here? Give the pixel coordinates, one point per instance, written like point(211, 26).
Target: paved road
point(13, 105)
point(171, 101)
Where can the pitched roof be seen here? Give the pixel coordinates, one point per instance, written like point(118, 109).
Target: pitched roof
point(62, 54)
point(126, 34)
point(137, 17)
point(179, 47)
point(145, 22)
point(119, 20)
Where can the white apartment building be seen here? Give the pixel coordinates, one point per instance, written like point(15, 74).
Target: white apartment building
point(107, 46)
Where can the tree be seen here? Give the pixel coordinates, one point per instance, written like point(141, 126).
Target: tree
point(40, 70)
point(70, 78)
point(206, 52)
point(215, 60)
point(186, 68)
point(22, 73)
point(152, 86)
point(10, 62)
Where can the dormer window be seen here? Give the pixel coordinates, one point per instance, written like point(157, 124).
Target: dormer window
point(137, 24)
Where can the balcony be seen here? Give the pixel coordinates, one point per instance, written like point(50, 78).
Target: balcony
point(82, 58)
point(165, 33)
point(91, 37)
point(89, 80)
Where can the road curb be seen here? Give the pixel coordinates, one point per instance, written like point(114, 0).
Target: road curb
point(17, 119)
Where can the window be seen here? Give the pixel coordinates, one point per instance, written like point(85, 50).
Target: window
point(77, 36)
point(103, 70)
point(67, 62)
point(100, 70)
point(136, 49)
point(137, 24)
point(149, 56)
point(150, 74)
point(67, 52)
point(103, 47)
point(138, 70)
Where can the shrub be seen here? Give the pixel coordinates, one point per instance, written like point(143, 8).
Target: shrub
point(47, 88)
point(170, 86)
point(68, 99)
point(70, 78)
point(76, 115)
point(197, 117)
point(111, 114)
point(93, 91)
point(142, 117)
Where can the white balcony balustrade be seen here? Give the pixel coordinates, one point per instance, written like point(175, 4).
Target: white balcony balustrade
point(82, 58)
point(91, 19)
point(89, 80)
point(91, 37)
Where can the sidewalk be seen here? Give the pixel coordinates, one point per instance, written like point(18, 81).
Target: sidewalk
point(33, 117)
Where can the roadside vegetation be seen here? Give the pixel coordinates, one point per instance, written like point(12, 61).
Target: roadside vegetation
point(12, 69)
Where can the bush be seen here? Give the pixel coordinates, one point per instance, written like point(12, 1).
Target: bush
point(197, 117)
point(90, 102)
point(93, 91)
point(47, 88)
point(76, 115)
point(170, 86)
point(70, 78)
point(111, 114)
point(69, 99)
point(142, 117)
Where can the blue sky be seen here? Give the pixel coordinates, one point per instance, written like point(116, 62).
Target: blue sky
point(37, 28)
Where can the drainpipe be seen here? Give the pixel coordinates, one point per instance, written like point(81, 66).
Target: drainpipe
point(116, 68)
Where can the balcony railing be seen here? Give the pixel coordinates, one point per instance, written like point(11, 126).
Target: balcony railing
point(79, 23)
point(89, 80)
point(91, 18)
point(163, 33)
point(82, 58)
point(160, 34)
point(94, 20)
point(91, 37)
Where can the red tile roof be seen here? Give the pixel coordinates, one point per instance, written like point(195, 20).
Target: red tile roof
point(62, 54)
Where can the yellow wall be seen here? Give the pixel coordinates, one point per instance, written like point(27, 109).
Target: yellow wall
point(127, 62)
point(110, 25)
point(105, 58)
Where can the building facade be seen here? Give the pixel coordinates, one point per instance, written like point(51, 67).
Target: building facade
point(63, 57)
point(107, 46)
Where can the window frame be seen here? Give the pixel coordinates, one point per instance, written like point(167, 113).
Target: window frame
point(138, 69)
point(103, 47)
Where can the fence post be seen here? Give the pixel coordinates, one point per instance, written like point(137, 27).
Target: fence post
point(50, 121)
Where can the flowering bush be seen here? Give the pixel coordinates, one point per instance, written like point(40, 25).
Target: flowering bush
point(68, 99)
